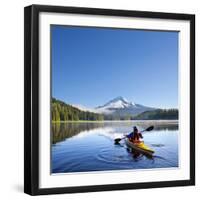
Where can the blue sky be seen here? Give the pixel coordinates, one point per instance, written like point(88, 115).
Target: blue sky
point(91, 66)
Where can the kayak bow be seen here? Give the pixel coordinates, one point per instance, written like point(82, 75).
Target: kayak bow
point(140, 147)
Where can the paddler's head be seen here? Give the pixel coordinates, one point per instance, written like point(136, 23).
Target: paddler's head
point(135, 129)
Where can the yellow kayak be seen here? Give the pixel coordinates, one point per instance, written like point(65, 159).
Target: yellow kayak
point(141, 147)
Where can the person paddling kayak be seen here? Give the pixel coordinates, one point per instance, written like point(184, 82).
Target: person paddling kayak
point(135, 135)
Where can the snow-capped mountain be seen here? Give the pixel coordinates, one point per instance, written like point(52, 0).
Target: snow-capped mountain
point(118, 106)
point(114, 104)
point(118, 102)
point(122, 107)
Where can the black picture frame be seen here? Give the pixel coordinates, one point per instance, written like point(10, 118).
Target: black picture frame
point(31, 98)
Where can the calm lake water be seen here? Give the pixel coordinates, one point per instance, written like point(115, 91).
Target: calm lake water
point(84, 147)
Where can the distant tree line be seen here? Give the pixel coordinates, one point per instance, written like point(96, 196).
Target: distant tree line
point(61, 111)
point(118, 117)
point(158, 114)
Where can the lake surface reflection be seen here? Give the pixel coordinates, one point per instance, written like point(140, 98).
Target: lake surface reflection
point(84, 147)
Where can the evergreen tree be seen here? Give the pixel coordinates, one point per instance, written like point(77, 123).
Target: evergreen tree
point(61, 111)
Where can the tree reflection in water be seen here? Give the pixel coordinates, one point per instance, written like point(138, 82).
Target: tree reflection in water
point(61, 131)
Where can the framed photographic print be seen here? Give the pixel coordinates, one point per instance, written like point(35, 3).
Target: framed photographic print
point(109, 100)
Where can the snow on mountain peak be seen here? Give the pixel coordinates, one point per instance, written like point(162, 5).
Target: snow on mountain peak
point(118, 106)
point(119, 98)
point(116, 103)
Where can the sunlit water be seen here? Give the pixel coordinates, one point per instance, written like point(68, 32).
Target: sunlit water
point(84, 147)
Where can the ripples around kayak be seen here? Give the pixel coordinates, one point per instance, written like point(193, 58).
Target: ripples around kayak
point(85, 149)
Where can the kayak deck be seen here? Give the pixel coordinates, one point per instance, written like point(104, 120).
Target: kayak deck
point(141, 147)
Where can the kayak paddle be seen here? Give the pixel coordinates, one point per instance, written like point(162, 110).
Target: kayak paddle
point(117, 140)
point(148, 129)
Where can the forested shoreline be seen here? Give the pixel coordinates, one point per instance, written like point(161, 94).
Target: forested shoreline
point(60, 111)
point(158, 114)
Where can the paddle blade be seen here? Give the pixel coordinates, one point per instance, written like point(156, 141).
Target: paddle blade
point(117, 140)
point(150, 128)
